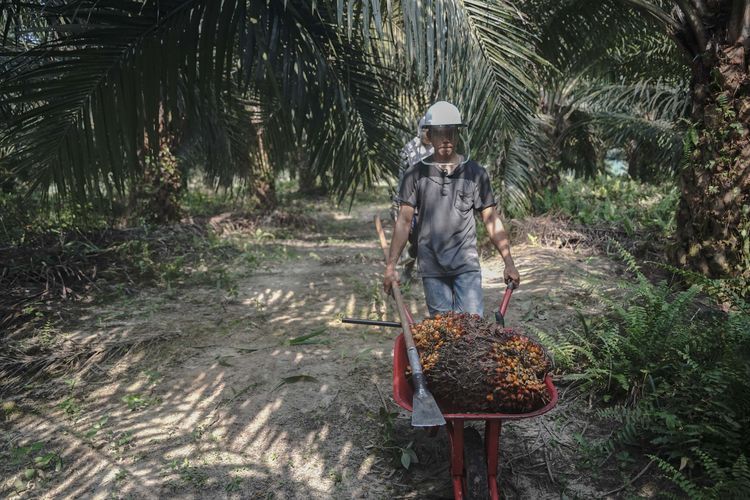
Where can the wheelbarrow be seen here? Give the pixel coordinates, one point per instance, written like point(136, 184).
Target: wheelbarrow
point(473, 462)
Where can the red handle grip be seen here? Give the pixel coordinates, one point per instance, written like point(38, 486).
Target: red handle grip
point(506, 299)
point(500, 314)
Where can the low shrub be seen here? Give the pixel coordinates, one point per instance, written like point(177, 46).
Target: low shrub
point(676, 373)
point(619, 202)
point(28, 218)
point(721, 481)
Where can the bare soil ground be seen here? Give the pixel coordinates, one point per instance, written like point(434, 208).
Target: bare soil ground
point(227, 406)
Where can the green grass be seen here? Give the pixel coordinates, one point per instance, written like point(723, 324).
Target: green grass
point(188, 473)
point(31, 465)
point(139, 402)
point(626, 204)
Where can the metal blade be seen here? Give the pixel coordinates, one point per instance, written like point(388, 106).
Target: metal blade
point(426, 412)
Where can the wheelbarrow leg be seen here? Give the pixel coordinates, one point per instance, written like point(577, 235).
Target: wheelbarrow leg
point(456, 434)
point(492, 442)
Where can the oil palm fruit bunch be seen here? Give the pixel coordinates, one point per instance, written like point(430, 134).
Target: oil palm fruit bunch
point(475, 366)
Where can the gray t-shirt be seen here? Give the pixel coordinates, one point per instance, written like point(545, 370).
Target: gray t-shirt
point(446, 203)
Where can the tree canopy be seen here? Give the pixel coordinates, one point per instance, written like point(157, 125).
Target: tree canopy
point(93, 89)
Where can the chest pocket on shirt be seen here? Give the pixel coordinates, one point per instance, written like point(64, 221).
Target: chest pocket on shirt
point(464, 201)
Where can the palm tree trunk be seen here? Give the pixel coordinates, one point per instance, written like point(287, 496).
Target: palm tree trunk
point(713, 217)
point(163, 181)
point(262, 185)
point(309, 181)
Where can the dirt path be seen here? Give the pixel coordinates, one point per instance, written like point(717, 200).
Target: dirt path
point(228, 408)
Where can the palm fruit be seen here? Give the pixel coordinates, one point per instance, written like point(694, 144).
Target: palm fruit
point(474, 366)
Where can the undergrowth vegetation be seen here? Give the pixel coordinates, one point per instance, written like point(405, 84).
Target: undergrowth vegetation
point(672, 372)
point(615, 201)
point(52, 258)
point(26, 218)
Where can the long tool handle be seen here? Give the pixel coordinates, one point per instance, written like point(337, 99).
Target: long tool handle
point(426, 412)
point(406, 320)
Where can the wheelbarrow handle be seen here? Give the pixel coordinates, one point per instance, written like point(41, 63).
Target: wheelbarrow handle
point(373, 322)
point(500, 313)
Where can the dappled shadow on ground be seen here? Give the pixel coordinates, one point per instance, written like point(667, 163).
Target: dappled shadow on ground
point(236, 407)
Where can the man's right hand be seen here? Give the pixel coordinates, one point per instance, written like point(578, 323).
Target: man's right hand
point(389, 277)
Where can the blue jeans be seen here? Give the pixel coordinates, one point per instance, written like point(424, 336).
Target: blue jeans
point(461, 293)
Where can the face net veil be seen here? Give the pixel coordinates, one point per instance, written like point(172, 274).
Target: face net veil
point(459, 137)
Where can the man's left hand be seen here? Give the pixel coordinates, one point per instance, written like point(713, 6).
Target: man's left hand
point(511, 274)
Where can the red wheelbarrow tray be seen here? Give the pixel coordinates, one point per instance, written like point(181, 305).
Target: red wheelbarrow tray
point(403, 393)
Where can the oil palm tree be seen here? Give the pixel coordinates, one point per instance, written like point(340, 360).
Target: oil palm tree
point(90, 88)
point(96, 87)
point(99, 86)
point(710, 39)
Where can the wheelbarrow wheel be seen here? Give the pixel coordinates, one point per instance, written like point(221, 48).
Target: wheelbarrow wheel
point(475, 465)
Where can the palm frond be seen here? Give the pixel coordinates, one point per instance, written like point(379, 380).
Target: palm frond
point(94, 97)
point(515, 172)
point(652, 98)
point(644, 115)
point(114, 77)
point(645, 54)
point(611, 38)
point(223, 138)
point(352, 123)
point(451, 45)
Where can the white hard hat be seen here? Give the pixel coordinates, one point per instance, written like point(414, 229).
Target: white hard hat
point(442, 113)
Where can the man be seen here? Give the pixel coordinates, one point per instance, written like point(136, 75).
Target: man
point(447, 188)
point(412, 153)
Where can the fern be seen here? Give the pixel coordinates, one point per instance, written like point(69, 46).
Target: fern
point(719, 482)
point(677, 374)
point(630, 263)
point(677, 477)
point(717, 473)
point(732, 291)
point(741, 473)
